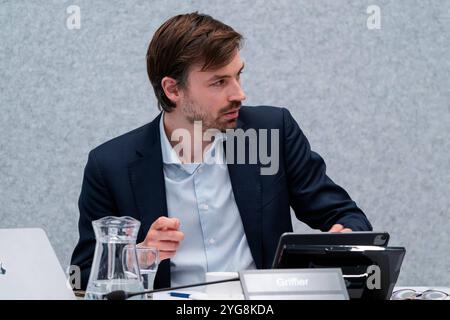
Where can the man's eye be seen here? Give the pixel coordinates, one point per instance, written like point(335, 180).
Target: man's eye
point(218, 83)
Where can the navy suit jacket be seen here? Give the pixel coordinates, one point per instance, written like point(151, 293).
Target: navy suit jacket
point(124, 176)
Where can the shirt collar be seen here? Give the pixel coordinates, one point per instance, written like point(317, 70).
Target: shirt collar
point(170, 156)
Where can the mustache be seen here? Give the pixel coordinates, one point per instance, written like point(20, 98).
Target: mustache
point(231, 107)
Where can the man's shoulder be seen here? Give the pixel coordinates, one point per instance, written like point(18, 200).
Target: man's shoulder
point(262, 116)
point(123, 148)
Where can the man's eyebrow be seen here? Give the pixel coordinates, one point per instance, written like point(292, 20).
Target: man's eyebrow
point(218, 76)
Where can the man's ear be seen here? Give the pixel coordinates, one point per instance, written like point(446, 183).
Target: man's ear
point(171, 89)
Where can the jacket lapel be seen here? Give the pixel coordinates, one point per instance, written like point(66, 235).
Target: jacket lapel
point(246, 185)
point(147, 182)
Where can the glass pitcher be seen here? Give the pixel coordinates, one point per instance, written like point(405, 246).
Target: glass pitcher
point(115, 266)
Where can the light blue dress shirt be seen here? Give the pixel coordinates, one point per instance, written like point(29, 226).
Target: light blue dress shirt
point(201, 197)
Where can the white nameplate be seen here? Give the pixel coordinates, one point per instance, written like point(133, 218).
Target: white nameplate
point(294, 284)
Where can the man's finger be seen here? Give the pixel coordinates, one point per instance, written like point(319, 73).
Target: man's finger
point(166, 223)
point(336, 228)
point(169, 235)
point(168, 245)
point(346, 230)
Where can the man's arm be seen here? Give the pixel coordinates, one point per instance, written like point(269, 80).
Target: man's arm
point(95, 202)
point(315, 198)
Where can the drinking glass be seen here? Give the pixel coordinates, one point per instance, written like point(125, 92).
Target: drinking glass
point(148, 261)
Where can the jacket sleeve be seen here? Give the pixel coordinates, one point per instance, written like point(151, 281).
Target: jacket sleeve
point(95, 202)
point(314, 197)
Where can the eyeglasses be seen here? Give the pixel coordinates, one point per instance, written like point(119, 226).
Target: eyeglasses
point(410, 294)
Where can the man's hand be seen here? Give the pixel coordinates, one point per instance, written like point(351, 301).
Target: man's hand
point(165, 236)
point(339, 228)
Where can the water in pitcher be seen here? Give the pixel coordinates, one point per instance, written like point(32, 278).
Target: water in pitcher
point(99, 288)
point(115, 265)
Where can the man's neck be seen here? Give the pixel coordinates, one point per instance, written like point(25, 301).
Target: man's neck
point(194, 143)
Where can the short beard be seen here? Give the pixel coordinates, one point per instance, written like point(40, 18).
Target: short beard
point(192, 114)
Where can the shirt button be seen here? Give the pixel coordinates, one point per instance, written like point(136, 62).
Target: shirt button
point(204, 207)
point(212, 241)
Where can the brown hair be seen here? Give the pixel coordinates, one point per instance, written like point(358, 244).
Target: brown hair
point(185, 40)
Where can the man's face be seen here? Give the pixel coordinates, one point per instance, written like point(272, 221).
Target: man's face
point(213, 96)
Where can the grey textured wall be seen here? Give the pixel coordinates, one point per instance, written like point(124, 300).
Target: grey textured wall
point(374, 103)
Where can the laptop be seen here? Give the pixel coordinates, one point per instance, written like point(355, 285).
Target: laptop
point(29, 268)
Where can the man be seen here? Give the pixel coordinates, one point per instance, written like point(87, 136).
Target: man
point(205, 215)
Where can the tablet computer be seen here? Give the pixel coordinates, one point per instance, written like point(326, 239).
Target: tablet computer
point(361, 238)
point(370, 272)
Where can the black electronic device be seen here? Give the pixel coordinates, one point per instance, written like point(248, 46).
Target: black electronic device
point(370, 268)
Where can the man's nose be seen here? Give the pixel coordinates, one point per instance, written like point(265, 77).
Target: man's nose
point(237, 93)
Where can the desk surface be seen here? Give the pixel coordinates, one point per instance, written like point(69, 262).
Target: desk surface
point(202, 296)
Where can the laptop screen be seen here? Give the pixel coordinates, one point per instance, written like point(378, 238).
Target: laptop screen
point(31, 269)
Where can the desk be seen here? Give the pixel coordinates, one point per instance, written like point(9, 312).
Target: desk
point(197, 295)
point(201, 296)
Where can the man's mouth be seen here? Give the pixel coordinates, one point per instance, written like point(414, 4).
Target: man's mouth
point(233, 114)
